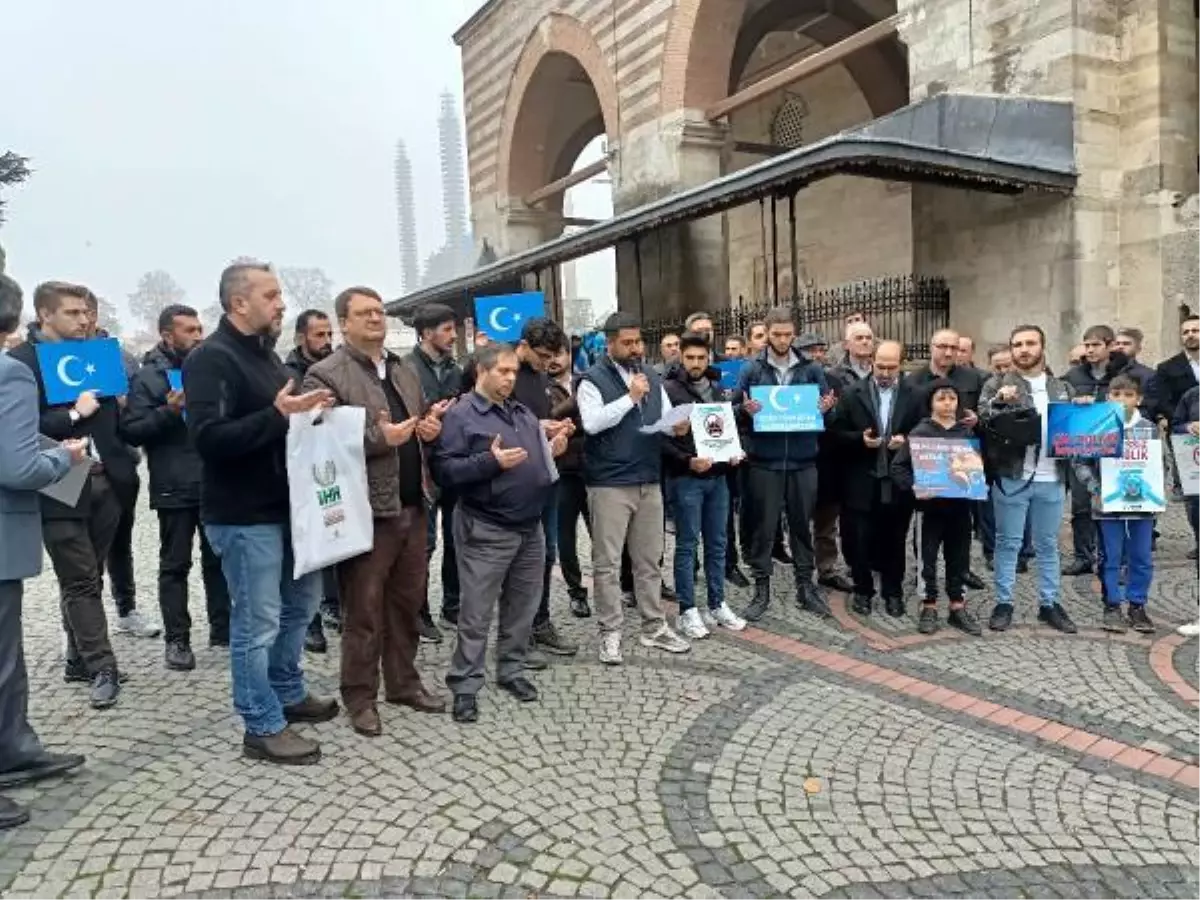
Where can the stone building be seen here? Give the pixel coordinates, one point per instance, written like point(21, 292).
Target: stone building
point(688, 91)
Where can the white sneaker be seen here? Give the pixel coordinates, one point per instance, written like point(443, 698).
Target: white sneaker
point(610, 648)
point(666, 639)
point(692, 625)
point(137, 626)
point(1191, 629)
point(727, 618)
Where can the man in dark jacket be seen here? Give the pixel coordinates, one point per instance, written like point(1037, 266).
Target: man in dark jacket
point(441, 377)
point(700, 494)
point(154, 419)
point(1178, 374)
point(78, 537)
point(871, 422)
point(572, 490)
point(1128, 341)
point(782, 474)
point(1089, 379)
point(314, 342)
point(239, 398)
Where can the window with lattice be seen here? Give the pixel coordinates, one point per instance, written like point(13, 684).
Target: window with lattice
point(787, 127)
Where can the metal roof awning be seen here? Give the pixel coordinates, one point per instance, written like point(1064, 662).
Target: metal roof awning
point(986, 143)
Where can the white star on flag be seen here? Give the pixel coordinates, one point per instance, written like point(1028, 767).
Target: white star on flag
point(90, 369)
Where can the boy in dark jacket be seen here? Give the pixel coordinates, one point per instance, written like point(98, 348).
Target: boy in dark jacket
point(945, 522)
point(700, 494)
point(1124, 535)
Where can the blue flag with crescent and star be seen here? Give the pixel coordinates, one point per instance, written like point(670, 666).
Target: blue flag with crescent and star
point(504, 315)
point(793, 407)
point(71, 367)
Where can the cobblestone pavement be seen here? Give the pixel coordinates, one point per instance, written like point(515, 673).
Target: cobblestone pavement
point(847, 757)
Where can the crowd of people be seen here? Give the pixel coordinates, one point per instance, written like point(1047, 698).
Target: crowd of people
point(500, 456)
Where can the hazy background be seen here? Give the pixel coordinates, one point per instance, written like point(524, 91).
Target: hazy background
point(178, 135)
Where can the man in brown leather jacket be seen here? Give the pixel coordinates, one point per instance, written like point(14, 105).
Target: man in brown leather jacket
point(382, 591)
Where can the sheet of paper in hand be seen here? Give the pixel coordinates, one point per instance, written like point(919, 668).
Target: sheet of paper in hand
point(1089, 430)
point(947, 468)
point(669, 420)
point(1187, 461)
point(715, 432)
point(1134, 483)
point(792, 407)
point(68, 488)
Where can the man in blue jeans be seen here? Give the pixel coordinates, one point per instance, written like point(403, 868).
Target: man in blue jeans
point(700, 491)
point(239, 397)
point(1029, 483)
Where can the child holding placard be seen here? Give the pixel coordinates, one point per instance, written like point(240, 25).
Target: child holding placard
point(1125, 536)
point(945, 520)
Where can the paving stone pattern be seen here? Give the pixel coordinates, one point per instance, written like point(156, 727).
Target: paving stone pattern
point(733, 771)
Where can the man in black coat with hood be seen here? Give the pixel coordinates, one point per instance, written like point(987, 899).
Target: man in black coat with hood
point(155, 419)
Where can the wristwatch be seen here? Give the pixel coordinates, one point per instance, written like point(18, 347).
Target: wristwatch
point(74, 416)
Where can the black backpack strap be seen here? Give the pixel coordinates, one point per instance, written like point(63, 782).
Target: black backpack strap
point(1037, 455)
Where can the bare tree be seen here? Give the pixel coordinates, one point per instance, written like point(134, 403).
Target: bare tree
point(108, 319)
point(155, 292)
point(307, 288)
point(14, 169)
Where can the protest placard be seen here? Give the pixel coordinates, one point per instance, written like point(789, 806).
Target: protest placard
point(794, 407)
point(1187, 461)
point(947, 468)
point(1088, 430)
point(715, 432)
point(1134, 483)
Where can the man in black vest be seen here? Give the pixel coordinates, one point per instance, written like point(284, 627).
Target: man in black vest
point(623, 468)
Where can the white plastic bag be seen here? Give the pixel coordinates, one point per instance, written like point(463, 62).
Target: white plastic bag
point(327, 487)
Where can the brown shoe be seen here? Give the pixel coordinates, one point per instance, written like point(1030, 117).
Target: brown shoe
point(286, 748)
point(366, 722)
point(311, 709)
point(421, 701)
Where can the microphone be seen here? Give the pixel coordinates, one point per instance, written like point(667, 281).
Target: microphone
point(634, 367)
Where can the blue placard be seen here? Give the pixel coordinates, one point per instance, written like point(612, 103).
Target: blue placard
point(502, 317)
point(792, 407)
point(947, 468)
point(1088, 430)
point(730, 369)
point(175, 379)
point(71, 367)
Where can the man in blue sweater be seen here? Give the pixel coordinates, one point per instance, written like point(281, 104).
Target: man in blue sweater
point(782, 468)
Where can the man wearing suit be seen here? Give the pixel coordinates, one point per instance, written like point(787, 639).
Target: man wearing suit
point(870, 424)
point(79, 537)
point(1175, 376)
point(24, 469)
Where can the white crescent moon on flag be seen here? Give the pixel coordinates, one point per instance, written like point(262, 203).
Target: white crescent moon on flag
point(773, 399)
point(494, 319)
point(62, 372)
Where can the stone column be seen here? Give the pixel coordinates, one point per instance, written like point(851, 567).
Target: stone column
point(683, 268)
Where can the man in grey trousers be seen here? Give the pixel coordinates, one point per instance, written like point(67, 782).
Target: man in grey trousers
point(24, 469)
point(493, 455)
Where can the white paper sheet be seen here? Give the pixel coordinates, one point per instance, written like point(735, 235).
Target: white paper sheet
point(669, 420)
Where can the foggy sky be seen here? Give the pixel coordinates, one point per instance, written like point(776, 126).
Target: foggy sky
point(178, 135)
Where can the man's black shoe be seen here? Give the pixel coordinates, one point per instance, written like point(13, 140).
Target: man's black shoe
point(780, 553)
point(105, 688)
point(332, 614)
point(1194, 553)
point(1001, 618)
point(75, 670)
point(12, 815)
point(894, 606)
point(179, 657)
point(521, 688)
point(758, 606)
point(1114, 620)
point(314, 638)
point(1138, 620)
point(837, 582)
point(973, 581)
point(580, 608)
point(1077, 567)
point(1022, 565)
point(990, 562)
point(737, 577)
point(220, 639)
point(927, 621)
point(810, 599)
point(547, 637)
point(862, 604)
point(45, 765)
point(964, 620)
point(428, 631)
point(668, 593)
point(1056, 617)
point(466, 710)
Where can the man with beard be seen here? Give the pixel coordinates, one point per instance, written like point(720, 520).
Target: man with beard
point(441, 377)
point(239, 398)
point(79, 537)
point(25, 468)
point(314, 342)
point(668, 349)
point(1128, 341)
point(1028, 483)
point(1089, 382)
point(1175, 376)
point(782, 475)
point(155, 419)
point(1000, 363)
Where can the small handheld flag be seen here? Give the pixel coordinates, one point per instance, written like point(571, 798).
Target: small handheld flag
point(504, 315)
point(69, 368)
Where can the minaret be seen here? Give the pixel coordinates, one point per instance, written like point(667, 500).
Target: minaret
point(454, 193)
point(410, 273)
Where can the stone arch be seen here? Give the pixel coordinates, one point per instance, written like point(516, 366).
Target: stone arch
point(710, 42)
point(559, 48)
